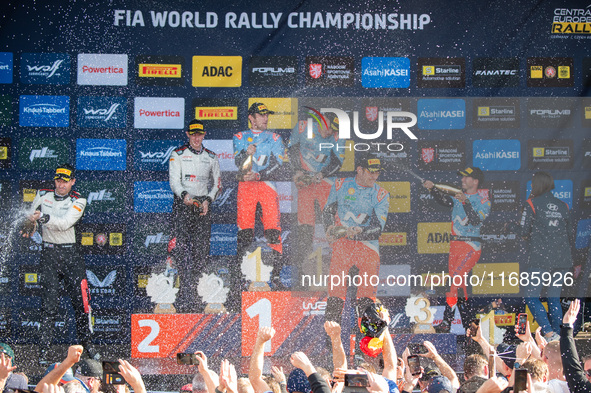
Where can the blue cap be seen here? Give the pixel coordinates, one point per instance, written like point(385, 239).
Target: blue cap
point(438, 384)
point(298, 382)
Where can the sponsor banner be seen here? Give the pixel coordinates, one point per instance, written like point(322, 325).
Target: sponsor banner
point(393, 239)
point(550, 72)
point(5, 153)
point(101, 154)
point(286, 111)
point(151, 237)
point(441, 114)
point(217, 112)
point(369, 118)
point(29, 321)
point(330, 71)
point(441, 72)
point(586, 112)
point(586, 153)
point(273, 71)
point(102, 69)
point(223, 239)
point(30, 283)
point(5, 322)
point(152, 197)
point(286, 311)
point(159, 112)
point(550, 154)
point(224, 149)
point(587, 71)
point(217, 71)
point(495, 72)
point(496, 280)
point(393, 280)
point(551, 112)
point(583, 238)
point(5, 194)
point(504, 195)
point(585, 199)
point(284, 196)
point(399, 195)
point(5, 281)
point(44, 111)
point(5, 110)
point(104, 196)
point(441, 155)
point(6, 64)
point(106, 281)
point(164, 335)
point(153, 155)
point(111, 325)
point(102, 112)
point(496, 240)
point(141, 274)
point(433, 237)
point(42, 153)
point(495, 113)
point(385, 72)
point(101, 239)
point(28, 189)
point(45, 68)
point(225, 205)
point(563, 190)
point(497, 154)
point(160, 70)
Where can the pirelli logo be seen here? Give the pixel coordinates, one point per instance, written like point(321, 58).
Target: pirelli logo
point(216, 113)
point(160, 70)
point(87, 239)
point(393, 239)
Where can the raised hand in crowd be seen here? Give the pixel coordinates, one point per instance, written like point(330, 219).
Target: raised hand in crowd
point(228, 378)
point(540, 340)
point(377, 384)
point(255, 370)
point(132, 376)
point(445, 368)
point(54, 376)
point(5, 369)
point(339, 358)
point(210, 377)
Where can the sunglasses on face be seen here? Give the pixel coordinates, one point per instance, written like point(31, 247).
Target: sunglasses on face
point(588, 372)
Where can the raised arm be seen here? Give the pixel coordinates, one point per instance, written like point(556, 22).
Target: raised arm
point(54, 376)
point(255, 370)
point(339, 358)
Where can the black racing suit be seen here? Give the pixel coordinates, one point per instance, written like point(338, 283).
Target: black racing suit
point(61, 261)
point(190, 173)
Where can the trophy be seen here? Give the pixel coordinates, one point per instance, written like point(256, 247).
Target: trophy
point(161, 290)
point(246, 166)
point(212, 291)
point(415, 310)
point(257, 272)
point(337, 231)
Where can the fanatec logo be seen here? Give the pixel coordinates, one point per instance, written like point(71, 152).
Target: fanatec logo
point(159, 156)
point(44, 152)
point(101, 114)
point(46, 70)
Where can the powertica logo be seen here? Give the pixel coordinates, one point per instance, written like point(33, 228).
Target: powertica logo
point(392, 123)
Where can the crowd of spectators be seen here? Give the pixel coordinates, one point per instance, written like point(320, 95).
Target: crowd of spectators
point(548, 367)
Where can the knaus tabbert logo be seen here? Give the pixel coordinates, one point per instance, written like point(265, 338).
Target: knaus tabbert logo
point(392, 124)
point(155, 194)
point(46, 70)
point(102, 152)
point(44, 109)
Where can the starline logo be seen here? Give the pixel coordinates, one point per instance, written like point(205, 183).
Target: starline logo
point(98, 114)
point(392, 123)
point(47, 71)
point(160, 70)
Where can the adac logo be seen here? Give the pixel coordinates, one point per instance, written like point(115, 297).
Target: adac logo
point(217, 71)
point(159, 71)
